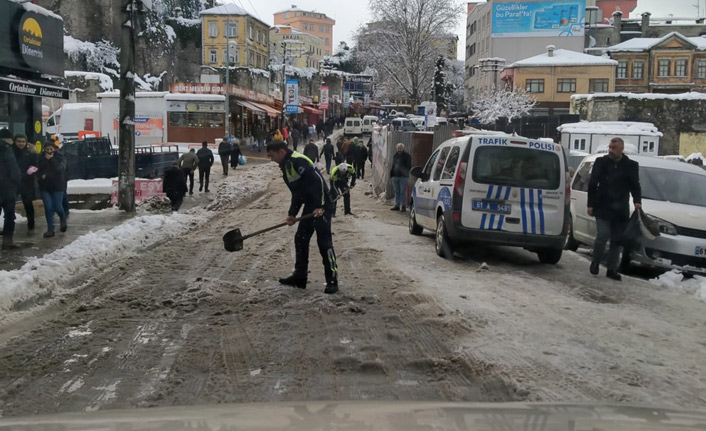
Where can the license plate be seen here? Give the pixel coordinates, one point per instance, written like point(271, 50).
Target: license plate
point(491, 207)
point(701, 251)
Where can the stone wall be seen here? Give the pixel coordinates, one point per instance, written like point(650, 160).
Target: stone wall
point(676, 116)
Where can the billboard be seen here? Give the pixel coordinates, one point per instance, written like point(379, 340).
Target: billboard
point(539, 19)
point(323, 100)
point(291, 96)
point(147, 125)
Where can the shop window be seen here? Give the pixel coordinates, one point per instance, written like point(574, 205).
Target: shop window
point(177, 119)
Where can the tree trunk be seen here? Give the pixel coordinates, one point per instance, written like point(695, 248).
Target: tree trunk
point(126, 155)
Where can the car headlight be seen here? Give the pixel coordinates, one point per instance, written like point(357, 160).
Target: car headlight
point(664, 226)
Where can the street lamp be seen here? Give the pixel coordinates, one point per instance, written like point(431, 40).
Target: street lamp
point(227, 92)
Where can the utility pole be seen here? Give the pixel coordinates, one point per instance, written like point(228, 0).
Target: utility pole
point(228, 77)
point(126, 151)
point(284, 80)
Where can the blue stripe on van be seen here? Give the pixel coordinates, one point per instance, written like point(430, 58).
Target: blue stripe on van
point(492, 217)
point(524, 210)
point(531, 209)
point(541, 212)
point(485, 215)
point(502, 217)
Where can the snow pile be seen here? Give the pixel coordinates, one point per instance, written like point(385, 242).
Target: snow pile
point(187, 22)
point(675, 280)
point(94, 186)
point(611, 128)
point(106, 83)
point(51, 275)
point(694, 156)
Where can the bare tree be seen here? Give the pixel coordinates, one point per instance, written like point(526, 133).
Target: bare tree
point(494, 104)
point(404, 42)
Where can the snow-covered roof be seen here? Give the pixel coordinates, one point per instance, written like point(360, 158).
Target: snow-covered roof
point(294, 8)
point(564, 57)
point(694, 95)
point(226, 9)
point(105, 82)
point(640, 44)
point(611, 128)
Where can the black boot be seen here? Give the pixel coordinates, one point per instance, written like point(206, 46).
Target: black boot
point(331, 287)
point(49, 233)
point(63, 226)
point(294, 281)
point(612, 274)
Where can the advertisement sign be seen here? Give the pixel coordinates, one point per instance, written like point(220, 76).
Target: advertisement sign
point(346, 99)
point(539, 19)
point(31, 88)
point(143, 189)
point(323, 100)
point(366, 100)
point(147, 125)
point(291, 96)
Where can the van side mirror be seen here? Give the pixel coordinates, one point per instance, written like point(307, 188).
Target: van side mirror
point(417, 172)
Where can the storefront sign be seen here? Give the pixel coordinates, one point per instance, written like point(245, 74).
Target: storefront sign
point(346, 99)
point(235, 91)
point(291, 95)
point(31, 88)
point(323, 100)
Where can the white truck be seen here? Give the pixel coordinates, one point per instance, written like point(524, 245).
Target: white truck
point(72, 118)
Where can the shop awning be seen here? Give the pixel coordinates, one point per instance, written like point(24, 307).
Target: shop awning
point(250, 106)
point(312, 110)
point(272, 112)
point(33, 88)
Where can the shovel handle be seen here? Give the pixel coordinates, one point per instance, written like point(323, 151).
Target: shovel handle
point(277, 226)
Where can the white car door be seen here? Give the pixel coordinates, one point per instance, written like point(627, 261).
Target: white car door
point(422, 196)
point(584, 225)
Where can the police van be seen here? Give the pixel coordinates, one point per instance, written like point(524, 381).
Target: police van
point(494, 188)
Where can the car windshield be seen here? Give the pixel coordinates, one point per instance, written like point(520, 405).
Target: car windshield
point(671, 185)
point(517, 167)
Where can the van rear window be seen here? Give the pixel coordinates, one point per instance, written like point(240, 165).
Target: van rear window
point(517, 167)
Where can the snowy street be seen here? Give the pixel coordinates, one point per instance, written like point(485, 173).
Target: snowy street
point(167, 317)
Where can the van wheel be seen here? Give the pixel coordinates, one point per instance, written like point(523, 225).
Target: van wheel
point(571, 243)
point(549, 256)
point(414, 228)
point(444, 247)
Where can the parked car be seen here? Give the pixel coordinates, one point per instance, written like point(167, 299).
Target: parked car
point(368, 122)
point(493, 188)
point(402, 125)
point(353, 126)
point(674, 194)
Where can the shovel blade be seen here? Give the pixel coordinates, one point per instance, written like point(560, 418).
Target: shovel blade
point(233, 240)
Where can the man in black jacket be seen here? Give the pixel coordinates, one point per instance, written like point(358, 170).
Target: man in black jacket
point(327, 152)
point(9, 185)
point(399, 174)
point(361, 157)
point(174, 185)
point(309, 190)
point(312, 151)
point(206, 159)
point(613, 179)
point(224, 150)
point(26, 157)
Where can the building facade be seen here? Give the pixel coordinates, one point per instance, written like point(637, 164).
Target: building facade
point(670, 64)
point(302, 50)
point(310, 22)
point(511, 30)
point(553, 77)
point(246, 37)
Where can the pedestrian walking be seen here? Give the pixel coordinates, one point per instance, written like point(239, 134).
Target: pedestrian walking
point(401, 165)
point(188, 162)
point(277, 136)
point(342, 181)
point(351, 151)
point(613, 179)
point(259, 135)
point(296, 135)
point(10, 181)
point(224, 150)
point(51, 171)
point(361, 156)
point(327, 152)
point(174, 185)
point(26, 157)
point(308, 190)
point(235, 154)
point(370, 151)
point(312, 151)
point(205, 156)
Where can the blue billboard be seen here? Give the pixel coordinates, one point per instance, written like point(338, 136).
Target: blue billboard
point(539, 19)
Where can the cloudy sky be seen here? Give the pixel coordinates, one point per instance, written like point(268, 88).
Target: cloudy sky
point(351, 14)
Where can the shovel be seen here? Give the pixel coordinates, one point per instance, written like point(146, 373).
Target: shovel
point(233, 239)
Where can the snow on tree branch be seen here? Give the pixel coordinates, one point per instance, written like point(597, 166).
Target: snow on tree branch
point(493, 104)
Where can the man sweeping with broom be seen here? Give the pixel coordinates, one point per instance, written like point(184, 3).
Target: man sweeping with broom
point(309, 190)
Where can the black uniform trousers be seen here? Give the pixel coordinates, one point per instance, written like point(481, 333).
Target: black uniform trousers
point(322, 227)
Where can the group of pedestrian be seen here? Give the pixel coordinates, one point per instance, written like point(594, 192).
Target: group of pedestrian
point(22, 173)
point(229, 152)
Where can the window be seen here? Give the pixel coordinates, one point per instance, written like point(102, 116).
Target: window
point(534, 85)
point(321, 29)
point(566, 85)
point(212, 29)
point(701, 69)
point(440, 163)
point(472, 50)
point(598, 85)
point(622, 71)
point(264, 38)
point(286, 15)
point(230, 29)
point(327, 41)
point(638, 66)
point(450, 167)
point(582, 177)
point(212, 56)
point(234, 54)
point(297, 13)
point(328, 29)
point(663, 67)
point(517, 167)
point(251, 58)
point(250, 32)
point(430, 163)
point(580, 144)
point(680, 67)
point(258, 36)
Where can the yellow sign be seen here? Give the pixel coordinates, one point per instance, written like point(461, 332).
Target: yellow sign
point(32, 27)
point(37, 127)
point(38, 146)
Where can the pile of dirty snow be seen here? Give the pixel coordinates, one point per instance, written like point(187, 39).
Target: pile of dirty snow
point(676, 280)
point(50, 276)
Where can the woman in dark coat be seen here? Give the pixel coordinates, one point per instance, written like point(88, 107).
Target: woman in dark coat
point(51, 172)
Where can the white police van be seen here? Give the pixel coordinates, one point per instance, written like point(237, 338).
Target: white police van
point(494, 188)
